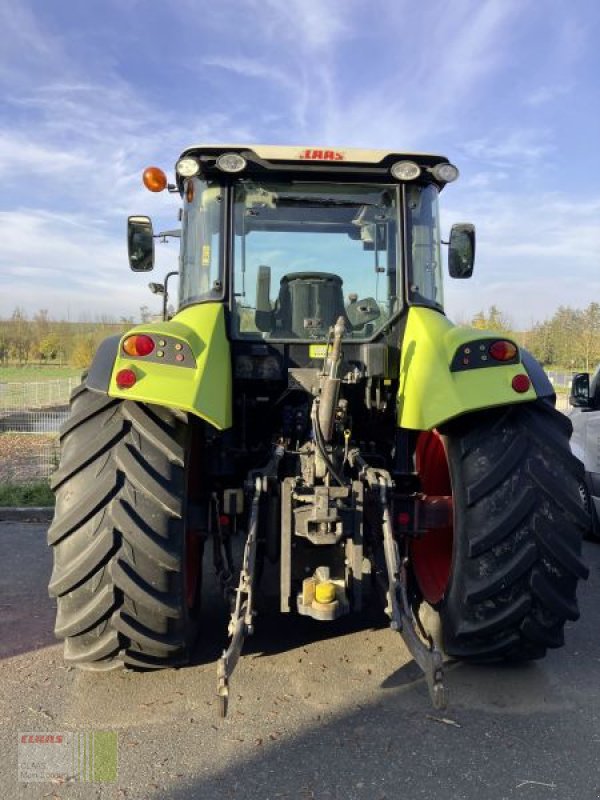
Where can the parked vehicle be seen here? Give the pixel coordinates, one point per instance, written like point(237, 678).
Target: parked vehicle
point(585, 442)
point(311, 397)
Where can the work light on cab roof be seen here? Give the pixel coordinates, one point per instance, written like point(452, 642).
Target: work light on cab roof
point(445, 173)
point(231, 162)
point(187, 167)
point(405, 170)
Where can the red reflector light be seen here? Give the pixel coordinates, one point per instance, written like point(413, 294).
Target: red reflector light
point(126, 378)
point(503, 351)
point(403, 518)
point(138, 345)
point(521, 383)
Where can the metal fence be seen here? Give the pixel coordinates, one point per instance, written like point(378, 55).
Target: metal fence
point(562, 402)
point(37, 395)
point(32, 422)
point(30, 417)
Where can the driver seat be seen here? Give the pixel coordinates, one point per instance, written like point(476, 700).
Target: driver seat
point(309, 304)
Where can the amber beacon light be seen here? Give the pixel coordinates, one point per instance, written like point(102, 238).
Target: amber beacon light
point(154, 179)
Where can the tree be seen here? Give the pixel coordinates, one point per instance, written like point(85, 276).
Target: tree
point(566, 327)
point(145, 314)
point(20, 336)
point(494, 320)
point(540, 342)
point(83, 352)
point(589, 338)
point(49, 347)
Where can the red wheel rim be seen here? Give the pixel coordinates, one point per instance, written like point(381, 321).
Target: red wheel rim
point(431, 555)
point(193, 566)
point(194, 543)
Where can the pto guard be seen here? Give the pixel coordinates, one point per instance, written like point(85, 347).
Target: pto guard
point(203, 389)
point(429, 393)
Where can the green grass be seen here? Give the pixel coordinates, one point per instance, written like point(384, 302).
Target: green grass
point(30, 373)
point(33, 494)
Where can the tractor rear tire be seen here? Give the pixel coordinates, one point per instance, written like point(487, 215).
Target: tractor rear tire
point(119, 536)
point(518, 526)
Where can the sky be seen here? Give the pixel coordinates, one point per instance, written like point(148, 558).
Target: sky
point(93, 92)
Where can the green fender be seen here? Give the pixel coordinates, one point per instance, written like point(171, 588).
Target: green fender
point(429, 393)
point(200, 383)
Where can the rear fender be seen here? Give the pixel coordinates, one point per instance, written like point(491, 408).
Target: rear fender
point(435, 384)
point(192, 374)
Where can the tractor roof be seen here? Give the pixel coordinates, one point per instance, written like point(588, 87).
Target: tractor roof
point(312, 163)
point(289, 153)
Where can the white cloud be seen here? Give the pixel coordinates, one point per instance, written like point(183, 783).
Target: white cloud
point(544, 95)
point(25, 46)
point(309, 24)
point(420, 95)
point(509, 146)
point(80, 130)
point(533, 254)
point(68, 265)
point(251, 68)
point(20, 156)
point(485, 180)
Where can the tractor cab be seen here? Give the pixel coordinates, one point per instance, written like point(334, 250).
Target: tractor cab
point(292, 238)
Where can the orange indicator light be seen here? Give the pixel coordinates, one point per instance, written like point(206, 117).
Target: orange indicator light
point(154, 179)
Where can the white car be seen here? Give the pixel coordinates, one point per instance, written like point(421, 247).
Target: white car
point(585, 442)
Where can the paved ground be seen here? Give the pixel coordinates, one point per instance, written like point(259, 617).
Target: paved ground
point(335, 718)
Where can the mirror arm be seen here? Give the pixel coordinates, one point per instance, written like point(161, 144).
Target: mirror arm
point(166, 293)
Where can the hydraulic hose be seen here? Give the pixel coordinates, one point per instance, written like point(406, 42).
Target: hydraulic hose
point(320, 443)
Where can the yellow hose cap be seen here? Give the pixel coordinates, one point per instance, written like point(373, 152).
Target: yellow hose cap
point(325, 592)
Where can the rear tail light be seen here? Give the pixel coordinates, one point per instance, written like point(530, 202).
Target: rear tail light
point(126, 378)
point(503, 350)
point(138, 345)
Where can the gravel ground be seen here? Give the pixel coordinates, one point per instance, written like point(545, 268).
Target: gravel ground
point(26, 458)
point(318, 712)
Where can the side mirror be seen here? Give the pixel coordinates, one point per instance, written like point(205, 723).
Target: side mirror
point(140, 244)
point(263, 316)
point(461, 253)
point(359, 312)
point(580, 391)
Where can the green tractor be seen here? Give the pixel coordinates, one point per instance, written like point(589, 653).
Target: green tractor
point(310, 401)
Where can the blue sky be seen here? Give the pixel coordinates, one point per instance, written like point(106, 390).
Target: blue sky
point(93, 92)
